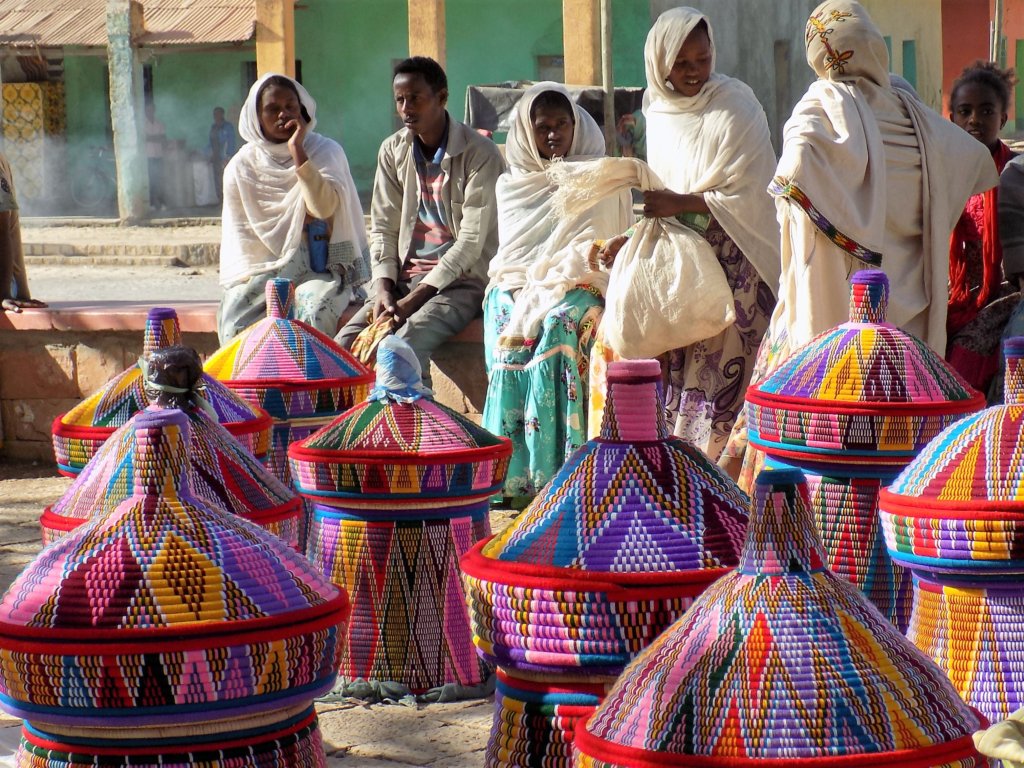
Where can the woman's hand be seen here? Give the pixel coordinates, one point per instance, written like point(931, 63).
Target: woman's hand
point(663, 204)
point(299, 129)
point(606, 253)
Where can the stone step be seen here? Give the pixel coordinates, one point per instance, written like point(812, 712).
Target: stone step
point(127, 254)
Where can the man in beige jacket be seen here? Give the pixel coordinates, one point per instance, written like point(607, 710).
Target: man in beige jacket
point(433, 218)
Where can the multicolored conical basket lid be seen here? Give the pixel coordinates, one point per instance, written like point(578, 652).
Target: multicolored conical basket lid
point(960, 504)
point(864, 395)
point(781, 662)
point(79, 433)
point(219, 468)
point(288, 367)
point(399, 443)
point(166, 610)
point(635, 515)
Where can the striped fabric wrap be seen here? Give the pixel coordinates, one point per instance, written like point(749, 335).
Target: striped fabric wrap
point(166, 610)
point(616, 547)
point(298, 375)
point(781, 662)
point(398, 489)
point(219, 468)
point(955, 518)
point(289, 743)
point(79, 433)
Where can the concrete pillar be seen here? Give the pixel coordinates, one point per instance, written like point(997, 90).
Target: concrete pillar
point(124, 25)
point(427, 29)
point(275, 37)
point(581, 41)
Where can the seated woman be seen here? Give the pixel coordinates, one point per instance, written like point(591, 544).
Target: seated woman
point(980, 302)
point(543, 304)
point(291, 210)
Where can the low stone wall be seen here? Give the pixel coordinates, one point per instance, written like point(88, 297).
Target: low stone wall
point(52, 359)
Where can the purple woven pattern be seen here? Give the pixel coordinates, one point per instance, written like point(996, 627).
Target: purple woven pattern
point(973, 630)
point(219, 468)
point(166, 600)
point(781, 659)
point(869, 296)
point(846, 516)
point(409, 619)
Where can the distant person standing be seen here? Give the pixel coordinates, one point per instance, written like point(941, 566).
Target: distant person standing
point(222, 147)
point(156, 138)
point(14, 293)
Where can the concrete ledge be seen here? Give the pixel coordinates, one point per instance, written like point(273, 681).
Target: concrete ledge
point(50, 359)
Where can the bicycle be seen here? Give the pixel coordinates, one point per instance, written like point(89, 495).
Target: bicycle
point(94, 184)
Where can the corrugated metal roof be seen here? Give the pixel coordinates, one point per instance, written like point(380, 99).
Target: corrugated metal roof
point(54, 23)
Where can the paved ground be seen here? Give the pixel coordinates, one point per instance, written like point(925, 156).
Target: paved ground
point(356, 735)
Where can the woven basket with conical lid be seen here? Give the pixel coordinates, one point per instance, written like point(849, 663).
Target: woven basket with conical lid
point(166, 610)
point(781, 662)
point(865, 396)
point(79, 433)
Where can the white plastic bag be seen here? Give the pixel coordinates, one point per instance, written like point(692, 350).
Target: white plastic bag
point(666, 290)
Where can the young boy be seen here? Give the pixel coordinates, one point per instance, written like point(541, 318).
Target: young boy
point(433, 221)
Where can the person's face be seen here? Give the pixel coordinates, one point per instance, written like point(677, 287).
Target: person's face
point(692, 66)
point(218, 116)
point(552, 132)
point(279, 107)
point(421, 110)
point(978, 109)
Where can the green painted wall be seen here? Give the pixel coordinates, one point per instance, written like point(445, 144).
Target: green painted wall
point(347, 49)
point(187, 86)
point(86, 101)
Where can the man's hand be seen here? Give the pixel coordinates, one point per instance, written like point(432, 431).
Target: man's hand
point(384, 304)
point(607, 253)
point(411, 304)
point(663, 203)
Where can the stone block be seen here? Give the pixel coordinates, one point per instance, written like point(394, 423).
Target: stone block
point(102, 357)
point(30, 370)
point(460, 377)
point(29, 420)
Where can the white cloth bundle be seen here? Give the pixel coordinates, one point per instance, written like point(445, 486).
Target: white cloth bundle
point(666, 289)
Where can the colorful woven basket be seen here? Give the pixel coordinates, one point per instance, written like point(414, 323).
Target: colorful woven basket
point(634, 526)
point(79, 433)
point(301, 377)
point(398, 488)
point(166, 611)
point(220, 470)
point(292, 741)
point(851, 408)
point(955, 516)
point(781, 662)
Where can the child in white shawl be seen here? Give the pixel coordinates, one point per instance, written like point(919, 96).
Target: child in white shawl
point(291, 210)
point(708, 141)
point(543, 303)
point(869, 177)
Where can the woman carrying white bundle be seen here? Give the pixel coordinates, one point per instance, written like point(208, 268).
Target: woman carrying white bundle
point(291, 210)
point(543, 303)
point(708, 141)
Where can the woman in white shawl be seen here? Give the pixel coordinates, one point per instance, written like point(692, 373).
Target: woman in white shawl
point(708, 141)
point(869, 178)
point(291, 210)
point(543, 303)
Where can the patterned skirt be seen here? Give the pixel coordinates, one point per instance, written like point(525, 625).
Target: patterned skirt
point(706, 382)
point(537, 389)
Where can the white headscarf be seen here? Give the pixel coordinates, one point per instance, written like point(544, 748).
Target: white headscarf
point(264, 211)
point(838, 144)
point(716, 143)
point(540, 254)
